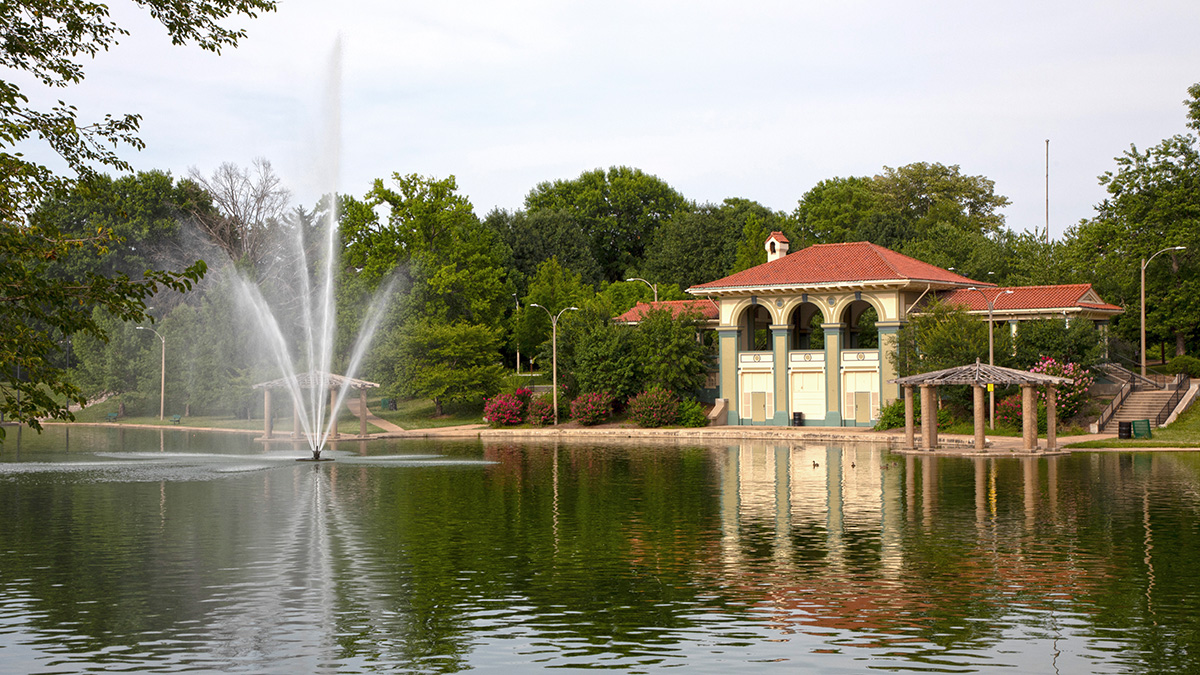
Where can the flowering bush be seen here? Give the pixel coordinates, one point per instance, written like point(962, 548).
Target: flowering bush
point(654, 407)
point(593, 408)
point(524, 393)
point(540, 411)
point(1071, 397)
point(504, 410)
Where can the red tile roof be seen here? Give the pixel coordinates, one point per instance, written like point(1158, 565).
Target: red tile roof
point(706, 308)
point(1065, 296)
point(778, 236)
point(837, 263)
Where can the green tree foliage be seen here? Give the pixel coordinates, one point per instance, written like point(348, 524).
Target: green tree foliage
point(751, 249)
point(671, 356)
point(448, 362)
point(596, 355)
point(618, 209)
point(1073, 342)
point(618, 297)
point(537, 236)
point(700, 245)
point(554, 288)
point(945, 336)
point(48, 41)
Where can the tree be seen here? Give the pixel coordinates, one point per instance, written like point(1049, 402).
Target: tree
point(750, 248)
point(618, 209)
point(537, 236)
point(945, 336)
point(448, 362)
point(250, 209)
point(1153, 203)
point(697, 246)
point(1074, 342)
point(671, 355)
point(554, 288)
point(596, 355)
point(47, 40)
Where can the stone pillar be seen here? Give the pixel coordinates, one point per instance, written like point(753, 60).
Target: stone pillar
point(833, 374)
point(910, 440)
point(889, 344)
point(333, 431)
point(727, 340)
point(779, 346)
point(1028, 418)
point(980, 441)
point(929, 437)
point(267, 413)
point(362, 412)
point(1051, 417)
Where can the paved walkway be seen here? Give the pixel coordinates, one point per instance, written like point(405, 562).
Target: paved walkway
point(352, 404)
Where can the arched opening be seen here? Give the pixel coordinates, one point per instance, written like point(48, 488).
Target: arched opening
point(805, 327)
point(860, 317)
point(756, 329)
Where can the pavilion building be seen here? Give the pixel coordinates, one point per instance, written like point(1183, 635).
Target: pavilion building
point(810, 332)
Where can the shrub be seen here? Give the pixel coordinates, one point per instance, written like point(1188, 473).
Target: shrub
point(592, 408)
point(1184, 364)
point(1071, 397)
point(654, 407)
point(691, 413)
point(1008, 413)
point(504, 410)
point(891, 416)
point(540, 411)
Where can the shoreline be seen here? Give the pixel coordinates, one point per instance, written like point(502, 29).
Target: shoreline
point(949, 445)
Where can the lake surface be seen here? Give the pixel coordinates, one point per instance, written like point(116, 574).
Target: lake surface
point(148, 551)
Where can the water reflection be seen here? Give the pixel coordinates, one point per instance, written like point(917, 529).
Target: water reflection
point(435, 558)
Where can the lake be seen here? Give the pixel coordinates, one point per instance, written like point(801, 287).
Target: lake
point(175, 550)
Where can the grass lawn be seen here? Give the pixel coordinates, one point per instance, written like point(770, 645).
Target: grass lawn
point(347, 423)
point(418, 413)
point(1182, 433)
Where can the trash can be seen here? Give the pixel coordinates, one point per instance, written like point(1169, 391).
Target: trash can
point(1124, 429)
point(797, 419)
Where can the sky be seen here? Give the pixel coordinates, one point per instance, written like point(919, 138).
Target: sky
point(758, 100)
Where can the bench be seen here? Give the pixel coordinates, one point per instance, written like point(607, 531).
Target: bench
point(175, 419)
point(112, 417)
point(1141, 429)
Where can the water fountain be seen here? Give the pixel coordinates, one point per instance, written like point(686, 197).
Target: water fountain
point(310, 390)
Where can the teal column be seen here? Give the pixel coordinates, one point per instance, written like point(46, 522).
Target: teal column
point(779, 345)
point(888, 347)
point(833, 374)
point(727, 368)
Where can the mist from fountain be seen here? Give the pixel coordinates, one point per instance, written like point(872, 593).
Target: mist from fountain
point(310, 390)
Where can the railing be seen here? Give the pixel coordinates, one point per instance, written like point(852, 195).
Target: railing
point(1182, 383)
point(1114, 405)
point(1117, 370)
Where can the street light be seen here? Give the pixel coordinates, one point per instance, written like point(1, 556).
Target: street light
point(162, 391)
point(1145, 262)
point(991, 305)
point(518, 301)
point(554, 349)
point(653, 287)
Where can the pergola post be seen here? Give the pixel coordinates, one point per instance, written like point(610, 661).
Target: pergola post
point(1028, 418)
point(929, 437)
point(910, 437)
point(1051, 417)
point(267, 413)
point(979, 417)
point(362, 412)
point(333, 431)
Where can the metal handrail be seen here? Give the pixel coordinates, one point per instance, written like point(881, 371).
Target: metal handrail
point(1107, 414)
point(1118, 369)
point(1182, 383)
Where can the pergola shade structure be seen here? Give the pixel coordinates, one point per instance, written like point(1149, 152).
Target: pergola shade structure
point(978, 376)
point(316, 380)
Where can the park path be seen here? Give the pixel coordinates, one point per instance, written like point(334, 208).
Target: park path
point(353, 403)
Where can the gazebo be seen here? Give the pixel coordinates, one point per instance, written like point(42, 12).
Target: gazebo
point(316, 380)
point(977, 375)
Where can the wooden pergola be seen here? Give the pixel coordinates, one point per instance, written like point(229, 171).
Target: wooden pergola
point(978, 375)
point(314, 380)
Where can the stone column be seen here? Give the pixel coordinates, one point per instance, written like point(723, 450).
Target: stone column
point(910, 440)
point(267, 413)
point(1051, 417)
point(333, 431)
point(779, 346)
point(727, 340)
point(889, 344)
point(1028, 417)
point(929, 437)
point(833, 373)
point(362, 412)
point(980, 441)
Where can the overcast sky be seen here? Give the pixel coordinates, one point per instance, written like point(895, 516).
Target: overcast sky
point(759, 100)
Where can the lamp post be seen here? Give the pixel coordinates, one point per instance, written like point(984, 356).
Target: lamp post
point(1146, 261)
point(162, 391)
point(554, 350)
point(653, 287)
point(991, 305)
point(518, 301)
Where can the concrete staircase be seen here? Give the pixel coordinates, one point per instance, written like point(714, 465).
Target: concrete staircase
point(1141, 405)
